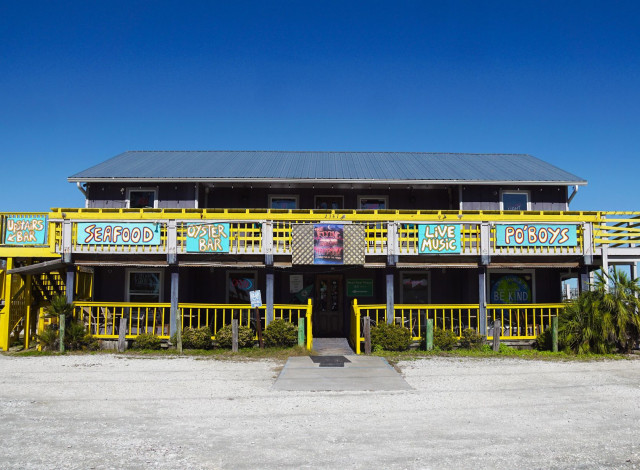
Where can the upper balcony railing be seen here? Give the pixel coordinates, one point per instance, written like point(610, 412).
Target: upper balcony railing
point(271, 231)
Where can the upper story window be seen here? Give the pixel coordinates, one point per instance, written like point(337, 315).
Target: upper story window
point(373, 202)
point(329, 202)
point(142, 198)
point(515, 201)
point(283, 202)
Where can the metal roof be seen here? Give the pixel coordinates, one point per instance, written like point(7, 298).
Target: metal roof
point(354, 167)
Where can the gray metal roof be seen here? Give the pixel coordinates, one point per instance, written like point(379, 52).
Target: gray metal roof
point(372, 167)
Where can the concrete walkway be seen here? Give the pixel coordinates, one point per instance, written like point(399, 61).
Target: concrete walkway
point(339, 373)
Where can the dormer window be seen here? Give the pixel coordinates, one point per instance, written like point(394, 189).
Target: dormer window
point(142, 198)
point(515, 201)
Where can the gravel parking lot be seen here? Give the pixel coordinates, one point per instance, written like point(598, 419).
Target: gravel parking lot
point(110, 411)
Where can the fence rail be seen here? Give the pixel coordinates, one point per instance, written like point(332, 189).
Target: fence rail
point(519, 321)
point(103, 318)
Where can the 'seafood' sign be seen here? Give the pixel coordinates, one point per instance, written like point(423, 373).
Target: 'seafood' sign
point(536, 235)
point(111, 233)
point(208, 238)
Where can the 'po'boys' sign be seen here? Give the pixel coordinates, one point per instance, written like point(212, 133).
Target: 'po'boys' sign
point(536, 235)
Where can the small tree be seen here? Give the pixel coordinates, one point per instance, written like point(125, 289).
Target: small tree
point(62, 310)
point(604, 319)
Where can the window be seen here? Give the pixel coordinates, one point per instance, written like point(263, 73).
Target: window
point(239, 284)
point(329, 202)
point(515, 201)
point(142, 198)
point(415, 287)
point(372, 202)
point(283, 202)
point(144, 286)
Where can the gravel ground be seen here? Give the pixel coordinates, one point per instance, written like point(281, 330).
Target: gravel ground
point(109, 411)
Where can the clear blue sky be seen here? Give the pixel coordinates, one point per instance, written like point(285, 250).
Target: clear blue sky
point(83, 81)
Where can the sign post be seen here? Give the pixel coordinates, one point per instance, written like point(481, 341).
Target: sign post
point(256, 302)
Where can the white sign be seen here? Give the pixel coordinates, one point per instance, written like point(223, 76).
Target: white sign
point(256, 298)
point(295, 283)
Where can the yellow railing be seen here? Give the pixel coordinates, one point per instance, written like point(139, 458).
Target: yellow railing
point(518, 322)
point(2, 284)
point(617, 230)
point(103, 318)
point(521, 321)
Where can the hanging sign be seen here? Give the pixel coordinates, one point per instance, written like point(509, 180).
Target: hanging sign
point(296, 283)
point(536, 235)
point(328, 243)
point(208, 238)
point(511, 289)
point(25, 230)
point(113, 233)
point(439, 238)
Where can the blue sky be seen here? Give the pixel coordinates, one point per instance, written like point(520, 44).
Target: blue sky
point(83, 81)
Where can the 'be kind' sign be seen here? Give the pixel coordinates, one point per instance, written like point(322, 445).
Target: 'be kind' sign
point(439, 238)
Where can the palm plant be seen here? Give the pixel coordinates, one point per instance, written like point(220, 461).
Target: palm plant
point(61, 309)
point(604, 319)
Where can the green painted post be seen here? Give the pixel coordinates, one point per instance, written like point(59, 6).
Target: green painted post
point(63, 320)
point(554, 334)
point(429, 337)
point(301, 321)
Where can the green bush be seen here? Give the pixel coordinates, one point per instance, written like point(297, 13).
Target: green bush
point(390, 337)
point(196, 338)
point(48, 339)
point(471, 339)
point(147, 341)
point(280, 333)
point(543, 341)
point(224, 337)
point(444, 340)
point(74, 336)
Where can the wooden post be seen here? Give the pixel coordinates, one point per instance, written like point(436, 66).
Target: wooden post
point(497, 329)
point(27, 318)
point(301, 321)
point(428, 340)
point(63, 320)
point(176, 316)
point(554, 334)
point(367, 334)
point(122, 331)
point(390, 298)
point(234, 335)
point(259, 328)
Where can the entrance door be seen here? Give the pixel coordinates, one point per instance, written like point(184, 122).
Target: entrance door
point(328, 318)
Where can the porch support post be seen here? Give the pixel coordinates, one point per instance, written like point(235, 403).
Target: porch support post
point(174, 313)
point(6, 311)
point(70, 284)
point(269, 317)
point(583, 279)
point(482, 300)
point(605, 266)
point(587, 242)
point(485, 243)
point(28, 298)
point(172, 242)
point(66, 240)
point(392, 243)
point(390, 297)
point(267, 243)
point(633, 270)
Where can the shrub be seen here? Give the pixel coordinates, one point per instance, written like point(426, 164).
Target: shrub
point(49, 338)
point(444, 340)
point(196, 338)
point(543, 341)
point(74, 336)
point(390, 337)
point(225, 337)
point(471, 339)
point(280, 333)
point(147, 341)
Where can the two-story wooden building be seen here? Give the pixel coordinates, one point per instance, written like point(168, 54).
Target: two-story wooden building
point(170, 238)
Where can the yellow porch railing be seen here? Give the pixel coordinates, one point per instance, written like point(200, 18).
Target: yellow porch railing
point(521, 321)
point(103, 318)
point(518, 321)
point(617, 230)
